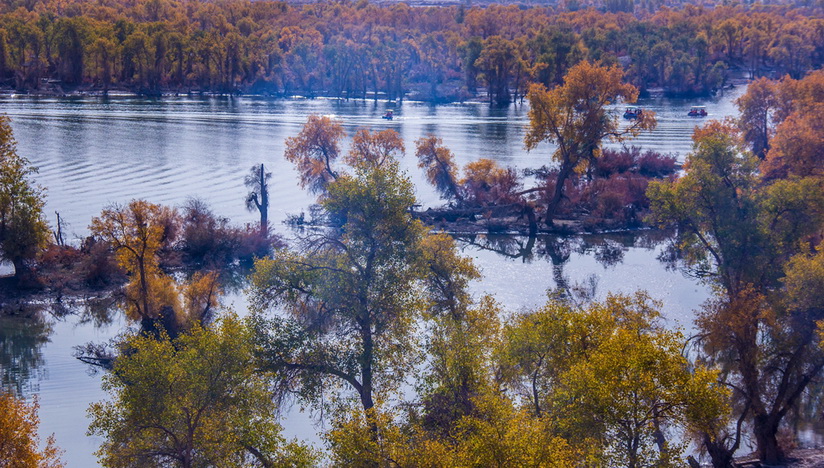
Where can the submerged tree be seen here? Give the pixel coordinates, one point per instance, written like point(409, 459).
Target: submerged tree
point(439, 163)
point(375, 148)
point(193, 401)
point(576, 117)
point(23, 230)
point(314, 150)
point(136, 233)
point(258, 198)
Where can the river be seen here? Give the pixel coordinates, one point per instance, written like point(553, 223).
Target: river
point(92, 152)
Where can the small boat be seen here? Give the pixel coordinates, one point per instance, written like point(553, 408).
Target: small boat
point(697, 111)
point(633, 112)
point(388, 115)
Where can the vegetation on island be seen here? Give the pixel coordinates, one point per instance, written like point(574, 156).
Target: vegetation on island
point(394, 51)
point(368, 316)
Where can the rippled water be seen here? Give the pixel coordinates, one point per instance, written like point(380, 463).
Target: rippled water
point(94, 152)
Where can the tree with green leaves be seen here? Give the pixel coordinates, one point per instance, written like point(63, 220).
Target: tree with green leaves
point(745, 238)
point(193, 401)
point(351, 292)
point(609, 378)
point(23, 230)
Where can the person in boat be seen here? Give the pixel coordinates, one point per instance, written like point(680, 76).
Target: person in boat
point(697, 111)
point(633, 113)
point(388, 115)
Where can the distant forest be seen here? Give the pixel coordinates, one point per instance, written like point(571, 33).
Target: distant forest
point(392, 51)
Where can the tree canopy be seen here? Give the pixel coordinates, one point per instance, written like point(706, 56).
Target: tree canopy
point(193, 401)
point(23, 230)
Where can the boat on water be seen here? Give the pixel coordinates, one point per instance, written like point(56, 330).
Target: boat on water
point(633, 112)
point(388, 115)
point(697, 111)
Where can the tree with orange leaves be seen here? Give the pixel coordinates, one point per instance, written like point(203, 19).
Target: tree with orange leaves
point(753, 243)
point(374, 149)
point(314, 150)
point(577, 117)
point(18, 436)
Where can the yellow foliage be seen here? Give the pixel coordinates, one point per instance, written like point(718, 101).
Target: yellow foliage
point(18, 436)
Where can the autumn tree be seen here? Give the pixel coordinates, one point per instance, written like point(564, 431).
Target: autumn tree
point(23, 231)
point(756, 122)
point(797, 146)
point(576, 117)
point(485, 182)
point(258, 198)
point(19, 443)
point(314, 150)
point(193, 401)
point(439, 163)
point(460, 341)
point(136, 233)
point(374, 148)
point(351, 292)
point(497, 434)
point(739, 235)
point(608, 376)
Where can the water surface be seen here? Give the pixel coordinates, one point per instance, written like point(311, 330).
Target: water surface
point(94, 152)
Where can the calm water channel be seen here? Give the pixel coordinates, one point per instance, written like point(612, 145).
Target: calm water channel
point(93, 152)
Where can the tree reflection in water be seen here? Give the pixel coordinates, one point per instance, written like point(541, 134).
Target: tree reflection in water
point(23, 332)
point(607, 249)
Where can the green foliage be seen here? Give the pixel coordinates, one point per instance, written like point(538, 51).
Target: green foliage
point(193, 401)
point(757, 239)
point(498, 434)
point(23, 231)
point(352, 292)
point(714, 205)
point(610, 378)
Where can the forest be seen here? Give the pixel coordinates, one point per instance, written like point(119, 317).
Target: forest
point(367, 300)
point(393, 51)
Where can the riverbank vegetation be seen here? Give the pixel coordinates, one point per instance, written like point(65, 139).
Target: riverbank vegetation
point(393, 51)
point(368, 317)
point(19, 441)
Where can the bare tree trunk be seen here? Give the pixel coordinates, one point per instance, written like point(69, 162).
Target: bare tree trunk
point(264, 204)
point(558, 194)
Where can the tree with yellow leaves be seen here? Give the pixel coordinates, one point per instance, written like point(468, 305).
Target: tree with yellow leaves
point(577, 117)
point(136, 232)
point(18, 436)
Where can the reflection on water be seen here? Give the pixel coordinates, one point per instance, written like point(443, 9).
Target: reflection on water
point(93, 152)
point(607, 250)
point(21, 351)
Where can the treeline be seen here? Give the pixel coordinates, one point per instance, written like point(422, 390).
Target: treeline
point(361, 50)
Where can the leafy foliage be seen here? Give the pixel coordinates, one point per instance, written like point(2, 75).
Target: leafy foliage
point(575, 117)
point(192, 401)
point(18, 436)
point(23, 231)
point(314, 150)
